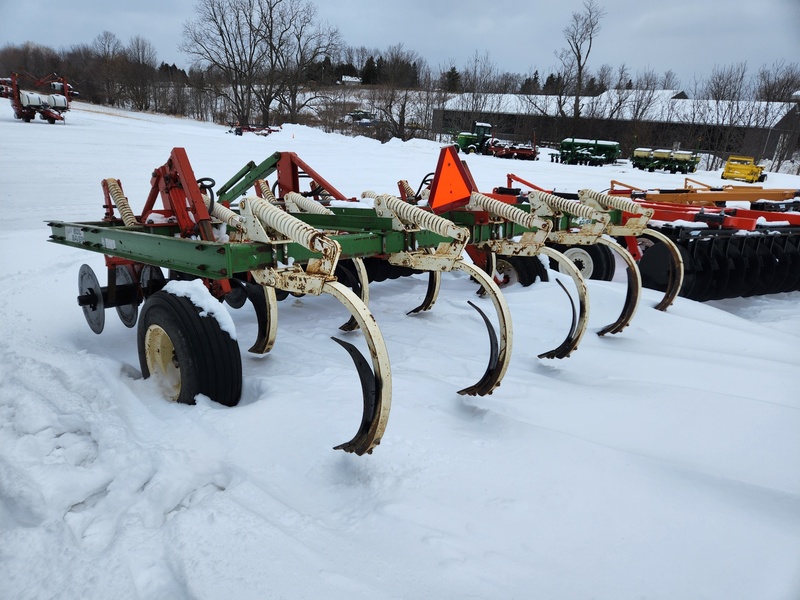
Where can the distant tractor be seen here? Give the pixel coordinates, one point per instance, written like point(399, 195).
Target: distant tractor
point(578, 151)
point(481, 141)
point(674, 161)
point(474, 141)
point(743, 168)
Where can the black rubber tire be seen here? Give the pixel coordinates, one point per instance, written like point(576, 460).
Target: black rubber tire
point(593, 261)
point(208, 360)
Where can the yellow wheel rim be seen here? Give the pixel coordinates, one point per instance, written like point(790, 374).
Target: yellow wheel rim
point(162, 361)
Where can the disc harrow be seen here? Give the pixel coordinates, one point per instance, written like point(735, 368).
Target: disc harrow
point(728, 250)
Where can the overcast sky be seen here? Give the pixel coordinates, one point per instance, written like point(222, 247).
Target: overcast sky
point(690, 37)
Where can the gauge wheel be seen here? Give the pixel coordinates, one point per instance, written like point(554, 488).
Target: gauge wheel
point(593, 261)
point(188, 354)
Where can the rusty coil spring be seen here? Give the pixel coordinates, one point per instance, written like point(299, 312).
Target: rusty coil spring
point(226, 215)
point(121, 202)
point(618, 202)
point(307, 204)
point(509, 212)
point(418, 217)
point(569, 206)
point(290, 226)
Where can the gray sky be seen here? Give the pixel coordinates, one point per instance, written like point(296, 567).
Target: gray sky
point(689, 37)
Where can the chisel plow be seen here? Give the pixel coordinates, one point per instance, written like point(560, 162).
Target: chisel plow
point(734, 240)
point(593, 226)
point(432, 245)
point(257, 249)
point(576, 234)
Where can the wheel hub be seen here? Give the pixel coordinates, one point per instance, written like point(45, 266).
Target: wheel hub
point(162, 361)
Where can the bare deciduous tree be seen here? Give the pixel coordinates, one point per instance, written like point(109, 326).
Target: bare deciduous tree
point(307, 42)
point(139, 72)
point(778, 82)
point(395, 96)
point(478, 79)
point(669, 81)
point(109, 55)
point(580, 34)
point(225, 35)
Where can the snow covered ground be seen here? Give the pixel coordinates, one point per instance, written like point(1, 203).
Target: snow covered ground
point(659, 463)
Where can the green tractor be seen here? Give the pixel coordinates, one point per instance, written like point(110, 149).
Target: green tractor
point(474, 141)
point(481, 141)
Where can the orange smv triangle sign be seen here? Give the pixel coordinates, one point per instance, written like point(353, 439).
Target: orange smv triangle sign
point(452, 184)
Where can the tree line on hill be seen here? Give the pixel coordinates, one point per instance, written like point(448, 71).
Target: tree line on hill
point(264, 62)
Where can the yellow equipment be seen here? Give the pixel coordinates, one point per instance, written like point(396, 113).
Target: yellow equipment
point(743, 168)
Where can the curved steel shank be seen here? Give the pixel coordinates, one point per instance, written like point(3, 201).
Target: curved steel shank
point(500, 353)
point(633, 293)
point(675, 280)
point(377, 384)
point(580, 323)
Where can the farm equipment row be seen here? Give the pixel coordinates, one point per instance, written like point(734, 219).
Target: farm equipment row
point(283, 240)
point(27, 104)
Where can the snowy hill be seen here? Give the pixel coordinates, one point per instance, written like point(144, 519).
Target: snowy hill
point(662, 462)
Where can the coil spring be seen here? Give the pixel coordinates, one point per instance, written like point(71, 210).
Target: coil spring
point(425, 219)
point(418, 217)
point(509, 212)
point(226, 215)
point(121, 202)
point(408, 191)
point(618, 202)
point(266, 193)
point(569, 206)
point(290, 226)
point(306, 204)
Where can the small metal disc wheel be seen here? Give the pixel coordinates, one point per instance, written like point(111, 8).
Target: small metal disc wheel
point(594, 261)
point(128, 313)
point(377, 269)
point(186, 353)
point(656, 265)
point(90, 299)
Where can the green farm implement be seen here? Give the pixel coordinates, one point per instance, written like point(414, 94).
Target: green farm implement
point(260, 251)
point(674, 161)
point(579, 151)
point(576, 234)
